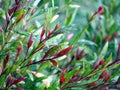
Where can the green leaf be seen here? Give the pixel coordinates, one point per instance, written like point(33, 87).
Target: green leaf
point(108, 60)
point(22, 32)
point(71, 17)
point(31, 76)
point(43, 66)
point(6, 5)
point(104, 51)
point(78, 35)
point(71, 73)
point(19, 13)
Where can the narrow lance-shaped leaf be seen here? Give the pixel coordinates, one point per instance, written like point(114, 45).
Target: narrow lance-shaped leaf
point(63, 52)
point(30, 41)
point(54, 62)
point(6, 60)
point(104, 51)
point(19, 48)
point(42, 34)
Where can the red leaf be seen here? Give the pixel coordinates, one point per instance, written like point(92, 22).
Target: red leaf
point(57, 26)
point(107, 78)
point(10, 11)
point(103, 74)
point(54, 62)
point(62, 79)
point(42, 34)
point(92, 84)
point(18, 80)
point(19, 48)
point(63, 52)
point(98, 63)
point(101, 62)
point(6, 60)
point(30, 41)
point(79, 54)
point(11, 80)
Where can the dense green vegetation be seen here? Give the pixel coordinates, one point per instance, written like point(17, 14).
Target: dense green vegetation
point(59, 44)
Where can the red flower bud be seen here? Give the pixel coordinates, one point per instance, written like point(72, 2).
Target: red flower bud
point(100, 8)
point(30, 41)
point(63, 52)
point(99, 11)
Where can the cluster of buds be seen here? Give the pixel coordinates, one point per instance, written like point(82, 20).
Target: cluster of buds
point(51, 33)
